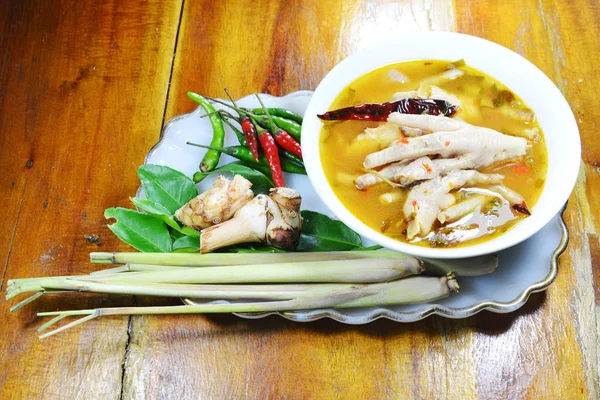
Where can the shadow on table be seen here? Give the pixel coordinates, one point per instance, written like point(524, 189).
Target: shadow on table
point(228, 324)
point(485, 322)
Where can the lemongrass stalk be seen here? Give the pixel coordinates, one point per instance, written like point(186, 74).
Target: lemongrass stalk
point(28, 300)
point(295, 304)
point(51, 322)
point(226, 292)
point(122, 268)
point(38, 294)
point(18, 286)
point(31, 284)
point(213, 259)
point(348, 271)
point(416, 289)
point(137, 268)
point(150, 267)
point(410, 290)
point(68, 326)
point(11, 283)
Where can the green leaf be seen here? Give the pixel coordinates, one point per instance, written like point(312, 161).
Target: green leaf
point(166, 186)
point(321, 233)
point(260, 182)
point(142, 231)
point(371, 248)
point(263, 169)
point(186, 230)
point(186, 244)
point(160, 212)
point(176, 234)
point(156, 210)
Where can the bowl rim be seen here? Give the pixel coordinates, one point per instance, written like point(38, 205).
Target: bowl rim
point(355, 66)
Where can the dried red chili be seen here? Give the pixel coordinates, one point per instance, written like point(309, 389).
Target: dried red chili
point(380, 111)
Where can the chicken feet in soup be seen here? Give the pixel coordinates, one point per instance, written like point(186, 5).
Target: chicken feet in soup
point(436, 180)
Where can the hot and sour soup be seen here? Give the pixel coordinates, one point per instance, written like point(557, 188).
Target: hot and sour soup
point(476, 212)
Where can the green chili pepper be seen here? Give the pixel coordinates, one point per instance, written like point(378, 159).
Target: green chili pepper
point(289, 126)
point(292, 157)
point(293, 168)
point(211, 158)
point(243, 153)
point(266, 171)
point(280, 112)
point(239, 134)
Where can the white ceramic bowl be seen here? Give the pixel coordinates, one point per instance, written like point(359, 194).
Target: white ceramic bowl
point(521, 76)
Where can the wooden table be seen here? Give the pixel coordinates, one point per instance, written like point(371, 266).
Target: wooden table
point(85, 88)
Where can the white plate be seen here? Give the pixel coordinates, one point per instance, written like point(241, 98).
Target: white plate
point(523, 269)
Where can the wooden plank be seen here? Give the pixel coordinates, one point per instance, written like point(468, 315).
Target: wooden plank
point(82, 93)
point(281, 46)
point(552, 353)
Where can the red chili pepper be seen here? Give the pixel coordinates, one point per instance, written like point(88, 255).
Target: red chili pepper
point(271, 153)
point(284, 139)
point(287, 142)
point(380, 111)
point(251, 137)
point(248, 127)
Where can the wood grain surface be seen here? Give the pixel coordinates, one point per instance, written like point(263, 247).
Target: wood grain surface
point(85, 88)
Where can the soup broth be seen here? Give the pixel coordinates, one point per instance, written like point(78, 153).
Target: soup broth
point(485, 103)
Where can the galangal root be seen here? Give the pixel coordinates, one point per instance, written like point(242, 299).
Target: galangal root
point(273, 219)
point(217, 204)
point(228, 213)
